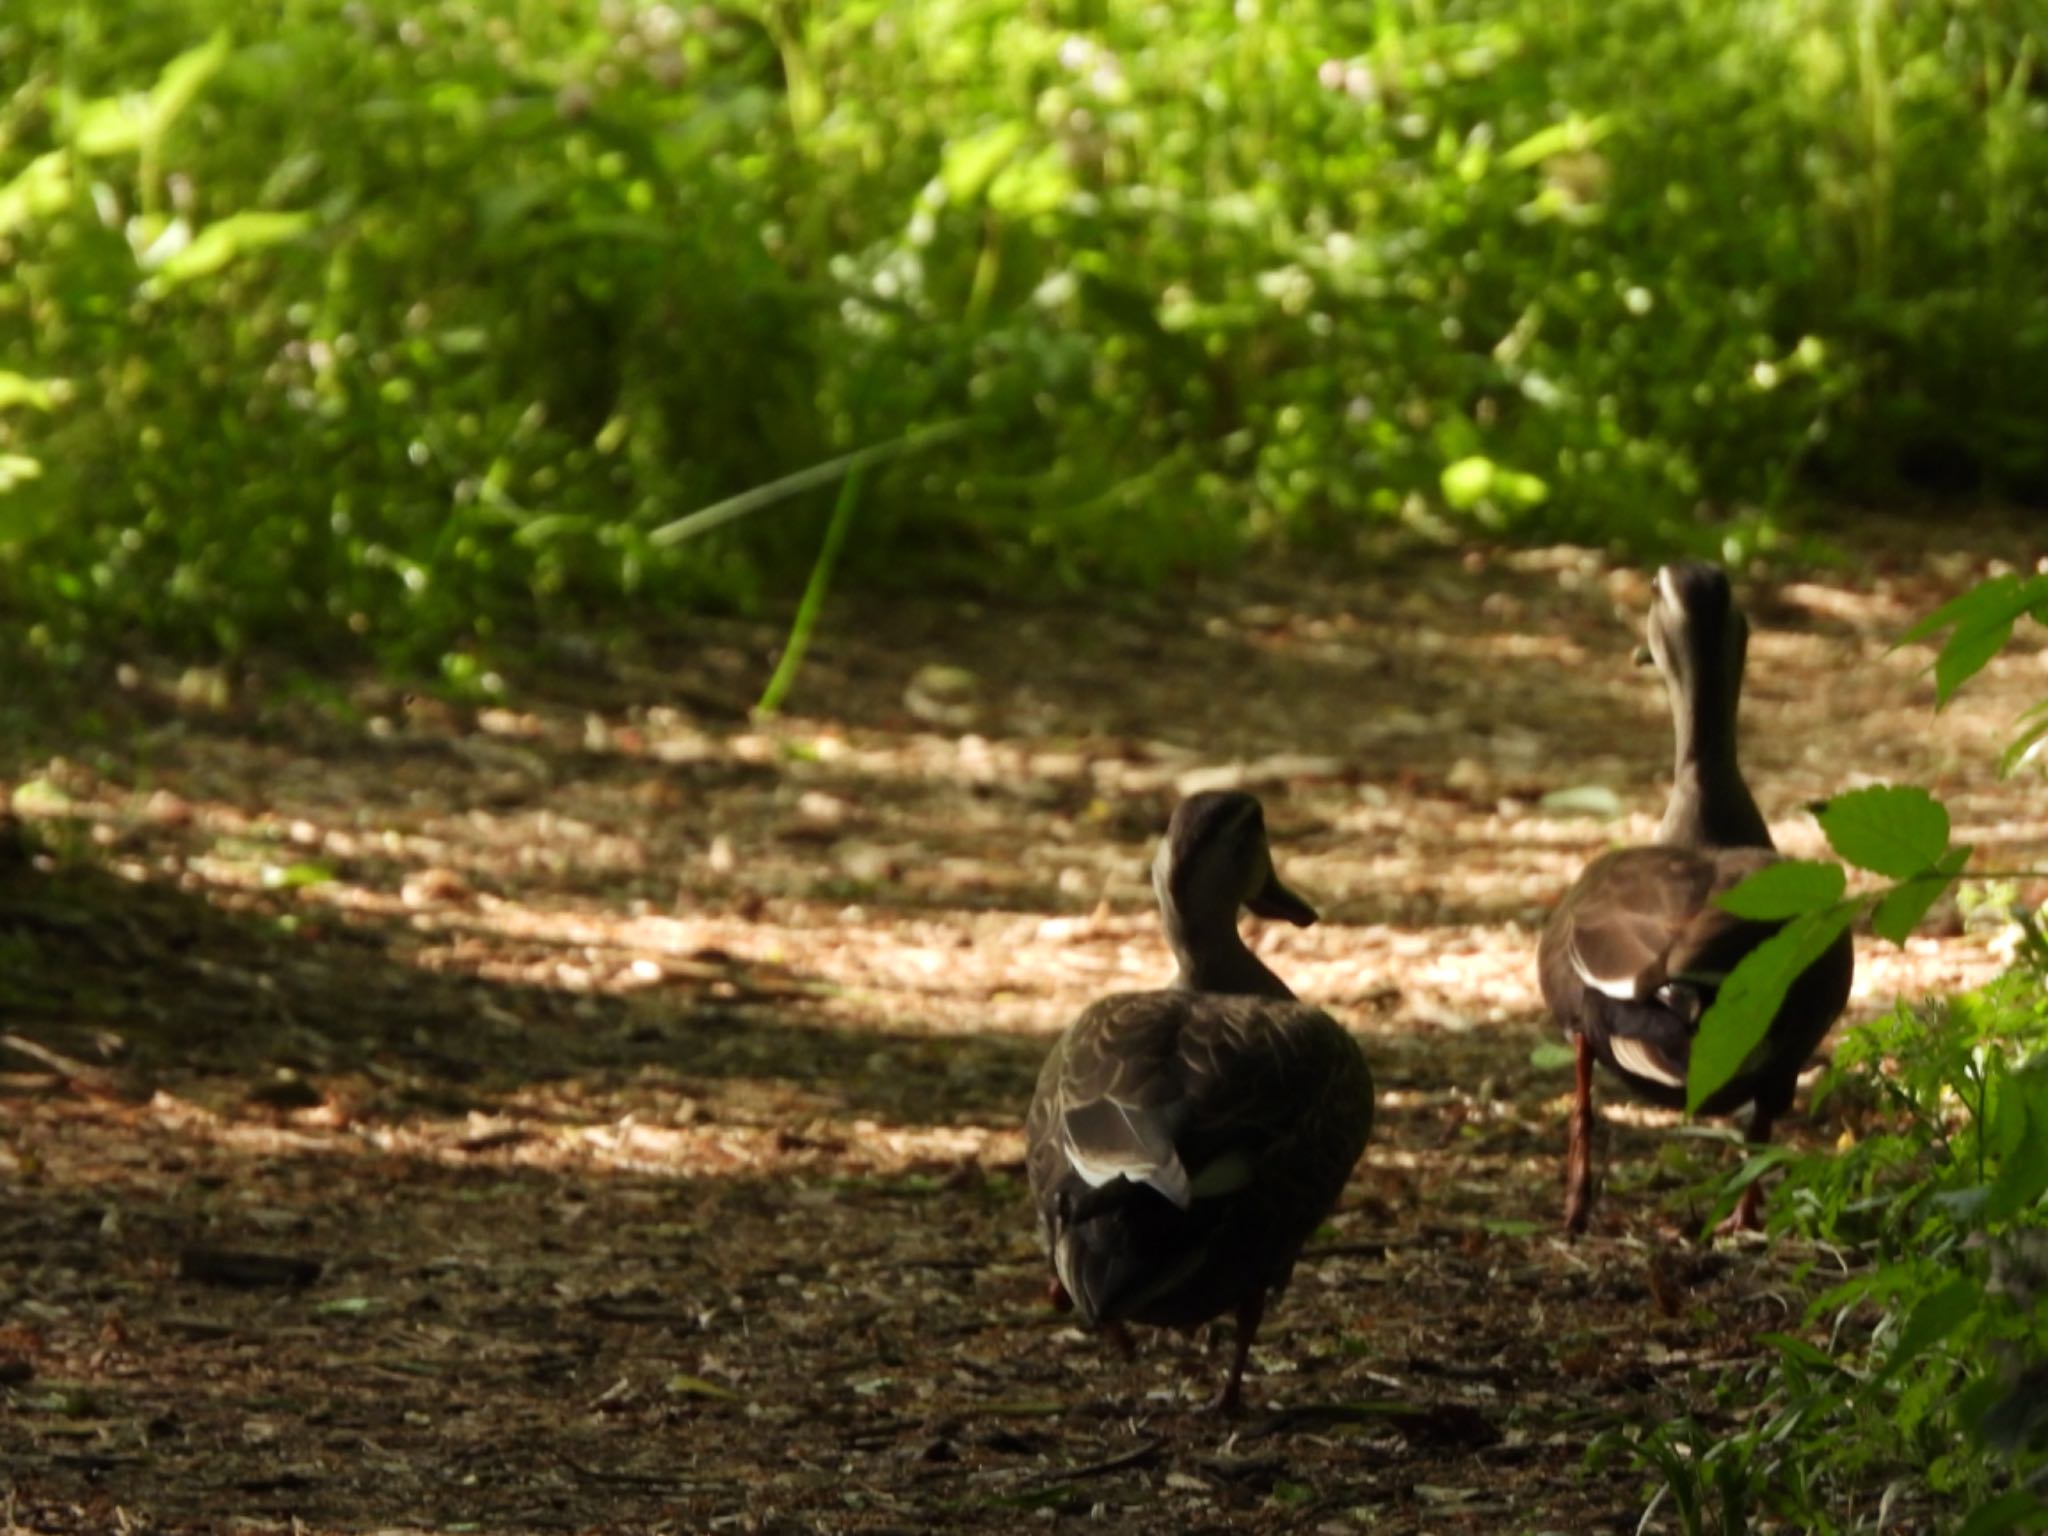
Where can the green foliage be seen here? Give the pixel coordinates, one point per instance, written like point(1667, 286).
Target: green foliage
point(1897, 831)
point(1923, 1366)
point(410, 326)
point(1786, 889)
point(1932, 1350)
point(1979, 623)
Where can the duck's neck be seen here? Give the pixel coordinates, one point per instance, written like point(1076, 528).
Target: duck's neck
point(1212, 957)
point(1710, 805)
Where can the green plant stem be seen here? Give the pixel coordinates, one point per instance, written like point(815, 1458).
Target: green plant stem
point(814, 596)
point(719, 513)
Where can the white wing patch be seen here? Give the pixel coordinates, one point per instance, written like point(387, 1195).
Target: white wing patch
point(1123, 1146)
point(1622, 988)
point(1638, 1060)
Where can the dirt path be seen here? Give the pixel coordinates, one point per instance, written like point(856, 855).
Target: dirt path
point(645, 1082)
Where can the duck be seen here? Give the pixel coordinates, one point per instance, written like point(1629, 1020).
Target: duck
point(1183, 1144)
point(1632, 958)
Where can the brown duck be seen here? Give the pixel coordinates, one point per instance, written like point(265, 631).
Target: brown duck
point(1637, 949)
point(1183, 1144)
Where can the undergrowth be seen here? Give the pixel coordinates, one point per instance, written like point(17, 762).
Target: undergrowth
point(1913, 1393)
point(400, 327)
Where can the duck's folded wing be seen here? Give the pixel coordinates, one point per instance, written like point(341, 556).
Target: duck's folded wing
point(1614, 930)
point(1190, 1092)
point(1112, 1100)
point(1605, 959)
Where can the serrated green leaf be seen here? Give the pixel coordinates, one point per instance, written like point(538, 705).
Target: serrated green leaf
point(1785, 890)
point(1749, 999)
point(1934, 1318)
point(1968, 652)
point(1987, 597)
point(1980, 622)
point(1891, 830)
point(1899, 911)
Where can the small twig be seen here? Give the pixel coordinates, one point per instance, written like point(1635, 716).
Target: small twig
point(79, 1073)
point(1133, 1458)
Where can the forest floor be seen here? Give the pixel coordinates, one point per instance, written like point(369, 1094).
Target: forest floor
point(599, 1111)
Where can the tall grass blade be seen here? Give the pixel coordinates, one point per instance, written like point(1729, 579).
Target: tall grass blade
point(814, 595)
point(719, 513)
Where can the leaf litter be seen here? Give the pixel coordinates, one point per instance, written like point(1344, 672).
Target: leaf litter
point(599, 1111)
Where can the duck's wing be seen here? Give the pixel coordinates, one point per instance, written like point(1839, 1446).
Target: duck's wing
point(1202, 1102)
point(1606, 955)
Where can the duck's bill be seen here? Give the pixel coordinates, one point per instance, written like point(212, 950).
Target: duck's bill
point(1275, 900)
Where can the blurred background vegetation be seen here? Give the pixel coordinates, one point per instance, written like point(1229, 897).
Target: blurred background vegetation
point(394, 328)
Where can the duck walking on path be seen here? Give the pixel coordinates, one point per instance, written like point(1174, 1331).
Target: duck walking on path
point(1637, 949)
point(1183, 1144)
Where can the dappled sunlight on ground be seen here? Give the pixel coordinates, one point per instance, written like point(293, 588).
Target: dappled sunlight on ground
point(643, 1078)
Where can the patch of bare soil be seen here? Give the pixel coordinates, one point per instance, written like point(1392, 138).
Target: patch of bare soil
point(599, 1111)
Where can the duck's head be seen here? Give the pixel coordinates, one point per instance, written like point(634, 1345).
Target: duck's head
point(1215, 859)
point(1696, 632)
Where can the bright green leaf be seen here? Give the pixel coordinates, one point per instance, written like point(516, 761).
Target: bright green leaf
point(20, 389)
point(1476, 478)
point(1980, 622)
point(183, 79)
point(971, 164)
point(1899, 912)
point(1040, 184)
point(295, 877)
point(1890, 830)
point(1551, 1057)
point(222, 242)
point(18, 469)
point(1749, 999)
point(1467, 481)
point(1572, 136)
point(1785, 890)
point(41, 188)
point(112, 125)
